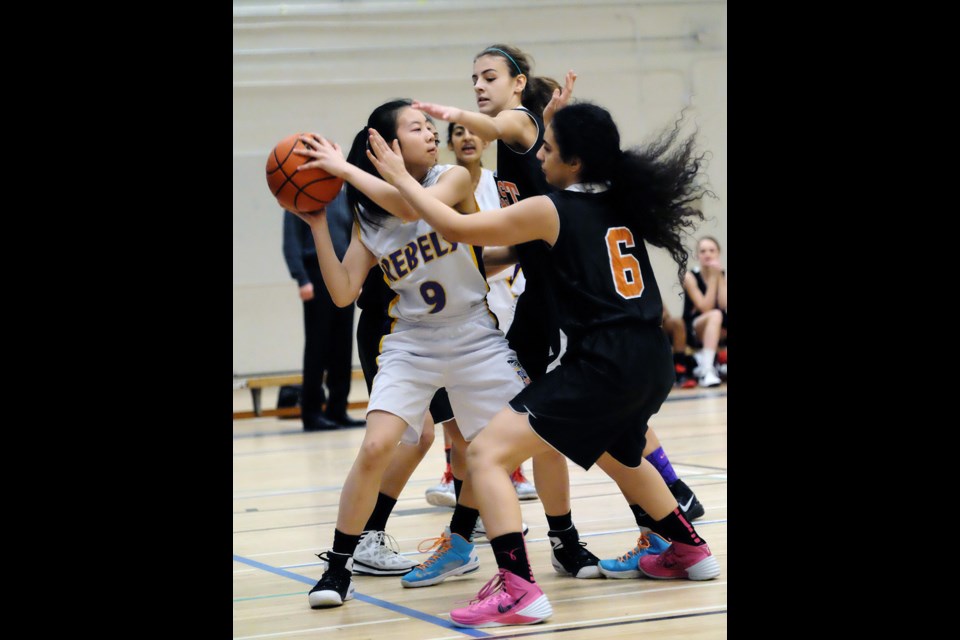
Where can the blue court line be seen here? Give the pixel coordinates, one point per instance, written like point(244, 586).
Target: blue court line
point(440, 622)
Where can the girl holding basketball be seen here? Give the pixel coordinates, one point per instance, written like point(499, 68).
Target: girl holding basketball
point(618, 368)
point(442, 333)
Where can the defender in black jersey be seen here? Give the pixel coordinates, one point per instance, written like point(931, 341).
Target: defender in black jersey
point(618, 367)
point(512, 103)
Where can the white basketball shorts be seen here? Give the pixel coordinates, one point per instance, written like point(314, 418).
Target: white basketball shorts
point(471, 359)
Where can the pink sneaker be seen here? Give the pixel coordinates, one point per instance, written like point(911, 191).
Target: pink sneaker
point(681, 561)
point(505, 600)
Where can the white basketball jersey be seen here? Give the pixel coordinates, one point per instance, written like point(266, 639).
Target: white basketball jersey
point(488, 197)
point(438, 281)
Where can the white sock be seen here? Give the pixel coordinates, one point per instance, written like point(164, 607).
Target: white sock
point(708, 356)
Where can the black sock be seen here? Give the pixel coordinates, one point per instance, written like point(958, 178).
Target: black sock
point(457, 486)
point(381, 512)
point(643, 520)
point(511, 554)
point(559, 523)
point(676, 528)
point(343, 547)
point(463, 521)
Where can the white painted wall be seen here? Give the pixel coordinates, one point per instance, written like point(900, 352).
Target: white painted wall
point(324, 66)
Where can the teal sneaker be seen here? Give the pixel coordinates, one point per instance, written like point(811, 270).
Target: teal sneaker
point(649, 543)
point(453, 556)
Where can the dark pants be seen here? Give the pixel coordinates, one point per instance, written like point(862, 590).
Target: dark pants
point(328, 348)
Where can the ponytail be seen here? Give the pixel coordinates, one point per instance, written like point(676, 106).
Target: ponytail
point(384, 121)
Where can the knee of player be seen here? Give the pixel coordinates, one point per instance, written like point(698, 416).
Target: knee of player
point(375, 453)
point(481, 456)
point(426, 439)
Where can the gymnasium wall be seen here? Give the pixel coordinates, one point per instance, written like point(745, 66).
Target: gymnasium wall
point(323, 66)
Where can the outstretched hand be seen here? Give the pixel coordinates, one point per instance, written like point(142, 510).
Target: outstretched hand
point(559, 99)
point(447, 114)
point(387, 160)
point(326, 155)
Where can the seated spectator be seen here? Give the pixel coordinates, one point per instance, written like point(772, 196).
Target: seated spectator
point(705, 310)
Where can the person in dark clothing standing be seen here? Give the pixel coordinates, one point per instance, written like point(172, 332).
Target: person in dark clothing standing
point(327, 328)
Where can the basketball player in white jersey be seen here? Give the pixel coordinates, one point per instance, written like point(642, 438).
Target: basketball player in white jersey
point(506, 283)
point(442, 334)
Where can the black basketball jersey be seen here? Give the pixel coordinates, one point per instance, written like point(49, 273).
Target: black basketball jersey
point(375, 294)
point(534, 333)
point(689, 310)
point(518, 173)
point(599, 266)
point(520, 176)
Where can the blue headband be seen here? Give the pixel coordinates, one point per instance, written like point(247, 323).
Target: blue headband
point(506, 54)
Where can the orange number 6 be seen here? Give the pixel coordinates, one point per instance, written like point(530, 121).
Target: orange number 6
point(623, 266)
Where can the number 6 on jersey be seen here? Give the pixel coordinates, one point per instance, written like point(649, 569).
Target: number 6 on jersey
point(623, 266)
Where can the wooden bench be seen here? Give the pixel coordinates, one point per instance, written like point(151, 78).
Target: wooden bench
point(258, 381)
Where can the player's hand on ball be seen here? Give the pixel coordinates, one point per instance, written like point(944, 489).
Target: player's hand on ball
point(313, 218)
point(387, 160)
point(448, 114)
point(325, 155)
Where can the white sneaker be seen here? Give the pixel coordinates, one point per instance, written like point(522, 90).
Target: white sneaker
point(710, 378)
point(480, 531)
point(443, 494)
point(374, 558)
point(525, 489)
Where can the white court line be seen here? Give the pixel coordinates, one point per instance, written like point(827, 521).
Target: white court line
point(315, 629)
point(634, 592)
point(586, 622)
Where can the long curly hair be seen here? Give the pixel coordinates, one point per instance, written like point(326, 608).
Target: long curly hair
point(660, 184)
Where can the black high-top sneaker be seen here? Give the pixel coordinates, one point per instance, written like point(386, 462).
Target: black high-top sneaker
point(689, 505)
point(335, 586)
point(570, 555)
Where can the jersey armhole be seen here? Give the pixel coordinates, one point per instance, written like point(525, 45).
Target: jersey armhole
point(535, 123)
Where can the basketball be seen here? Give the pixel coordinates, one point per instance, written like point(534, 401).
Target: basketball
point(299, 191)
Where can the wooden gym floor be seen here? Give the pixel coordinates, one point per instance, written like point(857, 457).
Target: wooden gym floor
point(286, 486)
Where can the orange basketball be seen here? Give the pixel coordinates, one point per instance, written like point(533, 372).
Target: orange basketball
point(299, 191)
